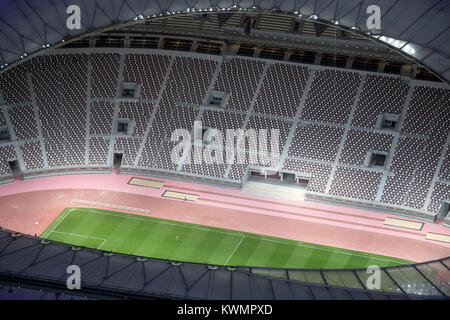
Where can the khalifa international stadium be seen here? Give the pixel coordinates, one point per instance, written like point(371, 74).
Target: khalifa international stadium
point(224, 149)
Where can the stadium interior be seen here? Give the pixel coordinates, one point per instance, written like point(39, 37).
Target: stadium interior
point(362, 128)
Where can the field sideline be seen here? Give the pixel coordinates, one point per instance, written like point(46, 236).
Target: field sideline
point(167, 239)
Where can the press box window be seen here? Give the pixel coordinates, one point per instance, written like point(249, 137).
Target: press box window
point(130, 90)
point(4, 134)
point(124, 126)
point(387, 121)
point(216, 99)
point(376, 159)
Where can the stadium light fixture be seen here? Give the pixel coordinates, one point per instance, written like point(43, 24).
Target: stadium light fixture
point(313, 16)
point(409, 49)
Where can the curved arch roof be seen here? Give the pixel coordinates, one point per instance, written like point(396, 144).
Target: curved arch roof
point(423, 27)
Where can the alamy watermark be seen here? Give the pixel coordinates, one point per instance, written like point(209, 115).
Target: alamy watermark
point(211, 146)
point(373, 22)
point(73, 22)
point(74, 280)
point(374, 280)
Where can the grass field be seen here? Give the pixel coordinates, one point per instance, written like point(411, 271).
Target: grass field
point(167, 239)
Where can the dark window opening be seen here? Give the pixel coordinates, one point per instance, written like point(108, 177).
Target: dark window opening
point(272, 53)
point(15, 168)
point(210, 48)
point(303, 57)
point(4, 134)
point(365, 64)
point(289, 177)
point(334, 60)
point(117, 161)
point(122, 127)
point(216, 98)
point(297, 27)
point(303, 182)
point(388, 122)
point(110, 41)
point(377, 160)
point(246, 50)
point(423, 74)
point(177, 44)
point(217, 101)
point(144, 42)
point(342, 34)
point(275, 176)
point(392, 68)
point(257, 174)
point(249, 24)
point(130, 90)
point(128, 93)
point(445, 210)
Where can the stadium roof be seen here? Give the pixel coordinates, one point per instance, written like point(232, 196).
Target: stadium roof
point(416, 28)
point(28, 261)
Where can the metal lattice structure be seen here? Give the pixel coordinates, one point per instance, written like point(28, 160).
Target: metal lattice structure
point(35, 263)
point(421, 28)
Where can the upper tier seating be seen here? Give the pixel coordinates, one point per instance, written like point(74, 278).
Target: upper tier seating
point(47, 107)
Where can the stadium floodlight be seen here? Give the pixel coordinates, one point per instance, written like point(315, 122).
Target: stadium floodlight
point(336, 22)
point(313, 16)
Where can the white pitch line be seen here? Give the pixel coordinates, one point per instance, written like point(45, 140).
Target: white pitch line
point(238, 245)
point(82, 235)
point(59, 222)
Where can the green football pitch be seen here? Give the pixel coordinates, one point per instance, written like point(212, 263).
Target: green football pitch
point(167, 239)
